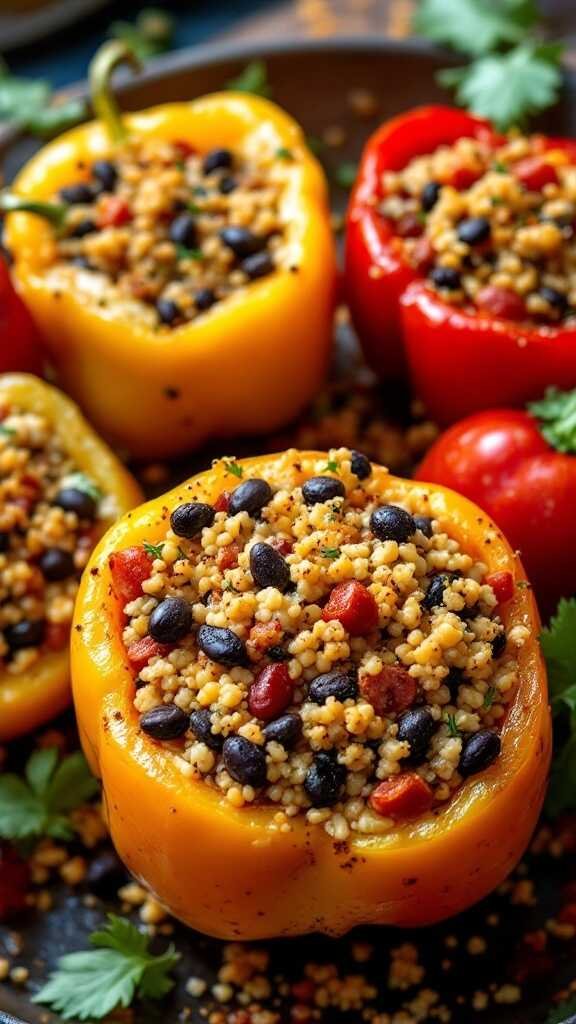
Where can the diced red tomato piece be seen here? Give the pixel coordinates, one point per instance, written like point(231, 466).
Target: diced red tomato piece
point(56, 636)
point(401, 797)
point(501, 302)
point(463, 177)
point(184, 148)
point(352, 605)
point(265, 634)
point(129, 569)
point(113, 212)
point(271, 692)
point(392, 690)
point(222, 502)
point(423, 255)
point(284, 547)
point(142, 650)
point(409, 226)
point(502, 584)
point(14, 878)
point(535, 172)
point(227, 558)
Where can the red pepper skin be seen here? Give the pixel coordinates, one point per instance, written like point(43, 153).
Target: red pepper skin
point(353, 606)
point(20, 345)
point(500, 460)
point(377, 273)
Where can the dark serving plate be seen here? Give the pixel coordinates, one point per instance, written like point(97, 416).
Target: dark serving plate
point(313, 80)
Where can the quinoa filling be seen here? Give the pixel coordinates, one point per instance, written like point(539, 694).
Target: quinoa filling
point(319, 648)
point(173, 229)
point(48, 527)
point(491, 227)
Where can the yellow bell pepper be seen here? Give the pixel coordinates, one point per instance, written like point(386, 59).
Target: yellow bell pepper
point(229, 872)
point(247, 365)
point(29, 699)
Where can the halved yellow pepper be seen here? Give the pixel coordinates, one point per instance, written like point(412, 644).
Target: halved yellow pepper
point(31, 698)
point(230, 872)
point(247, 365)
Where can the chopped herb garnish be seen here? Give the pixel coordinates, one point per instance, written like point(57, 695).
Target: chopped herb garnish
point(193, 208)
point(234, 468)
point(283, 153)
point(89, 984)
point(345, 174)
point(40, 804)
point(151, 34)
point(332, 466)
point(499, 167)
point(558, 644)
point(7, 431)
point(228, 585)
point(489, 697)
point(331, 553)
point(556, 413)
point(182, 253)
point(181, 554)
point(28, 104)
point(82, 482)
point(496, 200)
point(253, 79)
point(453, 729)
point(154, 550)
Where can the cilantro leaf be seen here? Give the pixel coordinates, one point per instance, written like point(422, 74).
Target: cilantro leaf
point(283, 153)
point(557, 415)
point(234, 468)
point(453, 729)
point(151, 34)
point(558, 642)
point(489, 697)
point(154, 550)
point(89, 984)
point(182, 253)
point(508, 87)
point(475, 26)
point(562, 1013)
point(82, 482)
point(561, 794)
point(39, 804)
point(253, 79)
point(332, 466)
point(345, 174)
point(27, 103)
point(331, 553)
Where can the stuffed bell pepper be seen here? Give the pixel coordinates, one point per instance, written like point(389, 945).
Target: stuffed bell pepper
point(60, 489)
point(180, 266)
point(309, 707)
point(461, 257)
point(20, 347)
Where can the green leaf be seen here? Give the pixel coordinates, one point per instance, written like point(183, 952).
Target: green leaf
point(331, 553)
point(557, 415)
point(345, 174)
point(332, 466)
point(283, 153)
point(489, 697)
point(27, 102)
point(558, 642)
point(82, 482)
point(475, 26)
point(562, 1013)
point(182, 253)
point(453, 729)
point(508, 87)
point(253, 79)
point(154, 550)
point(71, 785)
point(55, 118)
point(22, 814)
point(151, 34)
point(39, 769)
point(7, 431)
point(39, 805)
point(562, 789)
point(88, 985)
point(234, 468)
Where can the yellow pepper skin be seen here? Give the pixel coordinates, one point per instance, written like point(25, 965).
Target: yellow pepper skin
point(29, 699)
point(229, 872)
point(247, 365)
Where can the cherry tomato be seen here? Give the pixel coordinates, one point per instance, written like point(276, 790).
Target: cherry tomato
point(501, 302)
point(271, 692)
point(535, 172)
point(352, 605)
point(502, 584)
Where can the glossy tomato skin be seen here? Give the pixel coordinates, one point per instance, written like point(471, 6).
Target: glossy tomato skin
point(129, 569)
point(19, 342)
point(500, 460)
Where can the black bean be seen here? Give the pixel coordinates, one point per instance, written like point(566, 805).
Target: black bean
point(222, 645)
point(241, 241)
point(360, 465)
point(453, 681)
point(106, 173)
point(341, 685)
point(189, 520)
point(434, 596)
point(28, 633)
point(324, 780)
point(424, 524)
point(170, 621)
point(417, 728)
point(4, 541)
point(390, 522)
point(183, 231)
point(166, 722)
point(286, 730)
point(204, 298)
point(244, 761)
point(201, 726)
point(473, 230)
point(105, 874)
point(76, 195)
point(322, 488)
point(479, 751)
point(277, 653)
point(268, 567)
point(57, 564)
point(217, 159)
point(250, 496)
point(554, 298)
point(430, 195)
point(498, 644)
point(259, 265)
point(168, 311)
point(227, 185)
point(83, 228)
point(445, 277)
point(72, 499)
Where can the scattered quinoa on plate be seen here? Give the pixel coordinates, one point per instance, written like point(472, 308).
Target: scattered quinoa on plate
point(49, 516)
point(492, 225)
point(173, 231)
point(320, 648)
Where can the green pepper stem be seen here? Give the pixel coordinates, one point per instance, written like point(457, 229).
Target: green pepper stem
point(102, 67)
point(54, 212)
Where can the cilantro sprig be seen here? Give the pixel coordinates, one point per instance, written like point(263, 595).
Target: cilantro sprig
point(556, 413)
point(29, 104)
point(40, 803)
point(234, 468)
point(330, 553)
point(82, 482)
point(558, 642)
point(513, 72)
point(252, 79)
point(154, 550)
point(89, 984)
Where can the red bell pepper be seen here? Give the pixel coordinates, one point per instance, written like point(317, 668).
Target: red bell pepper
point(19, 344)
point(522, 471)
point(459, 360)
